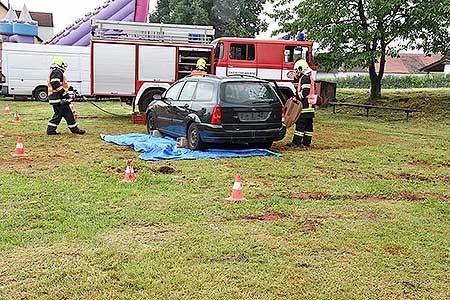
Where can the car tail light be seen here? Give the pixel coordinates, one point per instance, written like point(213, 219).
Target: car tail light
point(283, 114)
point(216, 118)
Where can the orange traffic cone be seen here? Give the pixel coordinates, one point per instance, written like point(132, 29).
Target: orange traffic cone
point(7, 110)
point(16, 118)
point(74, 111)
point(129, 172)
point(237, 194)
point(20, 151)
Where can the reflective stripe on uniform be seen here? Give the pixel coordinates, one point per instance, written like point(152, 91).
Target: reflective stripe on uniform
point(299, 133)
point(306, 86)
point(52, 125)
point(55, 79)
point(308, 133)
point(73, 126)
point(308, 110)
point(56, 101)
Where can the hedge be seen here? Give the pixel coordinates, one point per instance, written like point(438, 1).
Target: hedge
point(395, 82)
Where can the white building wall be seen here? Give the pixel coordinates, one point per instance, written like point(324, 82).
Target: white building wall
point(447, 69)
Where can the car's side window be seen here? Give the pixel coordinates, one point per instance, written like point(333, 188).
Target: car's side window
point(174, 91)
point(205, 92)
point(188, 91)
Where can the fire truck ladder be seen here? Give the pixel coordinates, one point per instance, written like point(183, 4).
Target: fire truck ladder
point(152, 32)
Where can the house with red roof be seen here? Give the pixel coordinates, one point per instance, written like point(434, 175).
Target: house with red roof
point(404, 64)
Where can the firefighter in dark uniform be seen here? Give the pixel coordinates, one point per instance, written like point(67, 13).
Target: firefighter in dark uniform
point(200, 68)
point(58, 96)
point(304, 126)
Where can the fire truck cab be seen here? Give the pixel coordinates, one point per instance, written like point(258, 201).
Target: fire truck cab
point(266, 59)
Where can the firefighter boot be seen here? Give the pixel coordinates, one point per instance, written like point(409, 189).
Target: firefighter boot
point(77, 130)
point(52, 130)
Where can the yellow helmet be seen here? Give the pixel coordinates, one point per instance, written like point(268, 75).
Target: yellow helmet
point(59, 63)
point(301, 65)
point(201, 64)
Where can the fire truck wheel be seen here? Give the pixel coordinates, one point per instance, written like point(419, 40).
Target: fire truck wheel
point(193, 137)
point(147, 98)
point(41, 94)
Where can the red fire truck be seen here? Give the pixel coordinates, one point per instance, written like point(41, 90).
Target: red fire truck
point(137, 61)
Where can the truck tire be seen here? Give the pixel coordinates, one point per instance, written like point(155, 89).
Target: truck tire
point(41, 94)
point(147, 98)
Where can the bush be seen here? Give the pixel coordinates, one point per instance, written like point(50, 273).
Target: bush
point(396, 82)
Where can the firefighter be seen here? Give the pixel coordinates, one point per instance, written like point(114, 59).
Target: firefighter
point(58, 97)
point(200, 68)
point(304, 126)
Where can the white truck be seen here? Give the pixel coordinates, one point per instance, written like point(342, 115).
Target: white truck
point(25, 68)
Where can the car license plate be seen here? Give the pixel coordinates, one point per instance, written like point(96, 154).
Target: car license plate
point(254, 116)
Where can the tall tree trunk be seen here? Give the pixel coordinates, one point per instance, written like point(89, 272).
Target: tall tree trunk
point(375, 79)
point(375, 85)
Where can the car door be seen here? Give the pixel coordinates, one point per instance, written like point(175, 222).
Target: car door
point(205, 98)
point(164, 109)
point(182, 107)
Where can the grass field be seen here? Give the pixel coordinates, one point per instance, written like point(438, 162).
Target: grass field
point(364, 214)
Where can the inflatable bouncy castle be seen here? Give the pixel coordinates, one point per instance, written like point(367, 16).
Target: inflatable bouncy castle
point(79, 33)
point(22, 29)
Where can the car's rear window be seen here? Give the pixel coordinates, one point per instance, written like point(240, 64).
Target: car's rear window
point(247, 93)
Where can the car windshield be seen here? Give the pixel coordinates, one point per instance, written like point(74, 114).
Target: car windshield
point(248, 93)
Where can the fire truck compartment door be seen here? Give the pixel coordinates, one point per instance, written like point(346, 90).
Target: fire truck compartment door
point(114, 69)
point(157, 63)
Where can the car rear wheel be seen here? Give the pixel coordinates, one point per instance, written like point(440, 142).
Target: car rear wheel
point(41, 94)
point(194, 140)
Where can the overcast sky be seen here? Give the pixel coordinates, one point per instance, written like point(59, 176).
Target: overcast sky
point(65, 12)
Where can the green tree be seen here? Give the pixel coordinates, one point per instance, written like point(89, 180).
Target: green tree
point(239, 18)
point(362, 33)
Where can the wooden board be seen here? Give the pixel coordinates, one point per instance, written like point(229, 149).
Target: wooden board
point(293, 108)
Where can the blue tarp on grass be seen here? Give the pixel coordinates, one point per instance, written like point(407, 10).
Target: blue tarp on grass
point(163, 148)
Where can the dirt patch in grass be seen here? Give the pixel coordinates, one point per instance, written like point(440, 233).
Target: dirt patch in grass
point(370, 198)
point(421, 163)
point(394, 250)
point(144, 234)
point(409, 285)
point(164, 170)
point(413, 177)
point(323, 170)
point(309, 196)
point(268, 216)
point(310, 225)
point(413, 197)
point(235, 258)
